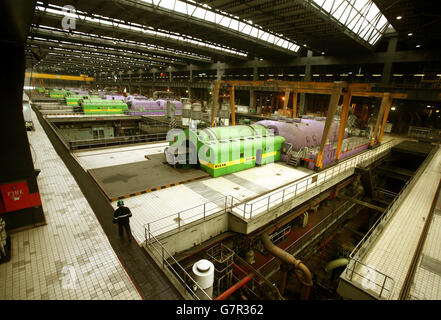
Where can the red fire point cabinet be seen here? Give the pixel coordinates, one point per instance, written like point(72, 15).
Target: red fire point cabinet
point(16, 196)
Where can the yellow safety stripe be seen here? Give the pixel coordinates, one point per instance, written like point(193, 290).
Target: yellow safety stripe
point(234, 162)
point(101, 110)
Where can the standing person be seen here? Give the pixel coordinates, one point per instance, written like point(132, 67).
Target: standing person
point(121, 216)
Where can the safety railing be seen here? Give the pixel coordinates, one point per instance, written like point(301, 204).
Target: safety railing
point(380, 223)
point(175, 268)
point(250, 209)
point(178, 220)
point(362, 247)
point(93, 143)
point(424, 133)
point(373, 281)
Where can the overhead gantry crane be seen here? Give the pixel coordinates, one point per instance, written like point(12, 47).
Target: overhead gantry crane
point(334, 89)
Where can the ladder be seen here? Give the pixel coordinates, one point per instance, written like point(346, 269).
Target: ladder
point(294, 159)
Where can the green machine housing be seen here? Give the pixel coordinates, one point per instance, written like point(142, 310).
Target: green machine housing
point(57, 94)
point(224, 150)
point(96, 105)
point(74, 100)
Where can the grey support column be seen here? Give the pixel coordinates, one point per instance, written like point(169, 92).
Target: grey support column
point(387, 68)
point(301, 107)
point(255, 78)
point(219, 71)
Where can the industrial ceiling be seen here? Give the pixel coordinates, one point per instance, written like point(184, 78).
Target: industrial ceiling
point(143, 34)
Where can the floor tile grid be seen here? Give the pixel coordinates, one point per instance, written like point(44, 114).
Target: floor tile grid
point(393, 250)
point(70, 257)
point(426, 284)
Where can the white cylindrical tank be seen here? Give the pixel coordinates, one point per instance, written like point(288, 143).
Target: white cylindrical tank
point(196, 115)
point(186, 113)
point(203, 271)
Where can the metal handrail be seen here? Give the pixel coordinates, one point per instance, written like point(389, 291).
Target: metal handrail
point(237, 203)
point(227, 202)
point(165, 256)
point(391, 208)
point(422, 132)
point(370, 276)
point(361, 248)
point(90, 143)
point(246, 209)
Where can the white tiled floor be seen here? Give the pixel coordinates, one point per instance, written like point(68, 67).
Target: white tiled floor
point(91, 159)
point(260, 204)
point(393, 250)
point(166, 203)
point(70, 257)
point(427, 284)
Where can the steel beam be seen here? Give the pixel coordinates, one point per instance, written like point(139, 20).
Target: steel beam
point(384, 103)
point(343, 118)
point(233, 107)
point(333, 102)
point(286, 101)
point(96, 40)
point(294, 104)
point(215, 100)
point(153, 38)
point(388, 102)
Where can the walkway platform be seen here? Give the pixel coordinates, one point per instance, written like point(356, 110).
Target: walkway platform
point(70, 258)
point(78, 255)
point(379, 268)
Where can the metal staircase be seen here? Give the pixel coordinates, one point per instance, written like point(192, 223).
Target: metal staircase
point(295, 157)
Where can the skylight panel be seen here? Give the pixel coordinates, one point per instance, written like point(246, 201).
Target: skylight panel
point(327, 6)
point(180, 7)
point(206, 13)
point(167, 4)
point(109, 21)
point(254, 32)
point(233, 25)
point(199, 13)
point(359, 16)
point(210, 16)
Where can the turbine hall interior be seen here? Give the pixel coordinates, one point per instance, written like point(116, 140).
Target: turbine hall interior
point(201, 150)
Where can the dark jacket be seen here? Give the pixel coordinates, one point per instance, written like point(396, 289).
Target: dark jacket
point(122, 215)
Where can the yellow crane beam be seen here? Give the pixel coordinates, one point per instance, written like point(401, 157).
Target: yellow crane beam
point(34, 75)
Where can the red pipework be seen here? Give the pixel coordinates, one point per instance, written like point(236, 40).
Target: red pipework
point(240, 269)
point(235, 287)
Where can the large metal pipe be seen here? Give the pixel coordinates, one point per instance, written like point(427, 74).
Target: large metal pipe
point(340, 262)
point(289, 259)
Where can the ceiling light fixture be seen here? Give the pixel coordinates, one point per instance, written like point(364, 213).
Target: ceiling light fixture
point(399, 17)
